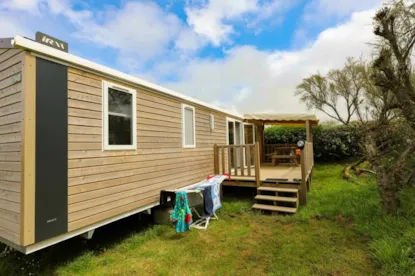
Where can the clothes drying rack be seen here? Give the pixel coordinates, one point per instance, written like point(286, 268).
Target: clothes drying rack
point(203, 221)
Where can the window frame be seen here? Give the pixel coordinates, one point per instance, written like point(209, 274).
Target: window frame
point(242, 132)
point(212, 121)
point(184, 106)
point(105, 124)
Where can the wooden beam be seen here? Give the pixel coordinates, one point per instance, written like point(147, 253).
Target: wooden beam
point(216, 159)
point(229, 160)
point(223, 160)
point(261, 141)
point(307, 130)
point(303, 185)
point(27, 205)
point(281, 123)
point(257, 165)
point(248, 159)
point(241, 159)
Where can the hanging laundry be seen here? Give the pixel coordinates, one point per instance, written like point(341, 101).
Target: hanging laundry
point(182, 216)
point(208, 202)
point(211, 194)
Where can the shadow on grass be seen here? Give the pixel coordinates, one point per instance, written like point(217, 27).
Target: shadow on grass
point(45, 261)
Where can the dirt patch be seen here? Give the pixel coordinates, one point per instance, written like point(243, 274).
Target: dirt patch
point(347, 221)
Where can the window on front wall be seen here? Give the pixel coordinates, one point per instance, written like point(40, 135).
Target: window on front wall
point(189, 131)
point(212, 121)
point(119, 117)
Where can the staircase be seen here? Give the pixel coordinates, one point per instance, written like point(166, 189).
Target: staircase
point(271, 196)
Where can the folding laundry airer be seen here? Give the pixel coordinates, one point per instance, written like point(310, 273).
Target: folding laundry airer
point(195, 198)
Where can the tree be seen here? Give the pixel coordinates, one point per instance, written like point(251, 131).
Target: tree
point(395, 28)
point(337, 93)
point(377, 113)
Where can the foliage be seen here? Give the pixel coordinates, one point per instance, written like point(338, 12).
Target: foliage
point(337, 94)
point(380, 94)
point(394, 26)
point(330, 143)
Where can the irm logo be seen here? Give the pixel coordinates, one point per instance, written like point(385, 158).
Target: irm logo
point(51, 41)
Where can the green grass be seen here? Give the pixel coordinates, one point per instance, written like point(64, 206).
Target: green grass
point(341, 231)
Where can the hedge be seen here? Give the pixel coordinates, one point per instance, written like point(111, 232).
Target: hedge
point(330, 142)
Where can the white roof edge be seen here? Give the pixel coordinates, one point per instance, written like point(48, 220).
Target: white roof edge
point(72, 59)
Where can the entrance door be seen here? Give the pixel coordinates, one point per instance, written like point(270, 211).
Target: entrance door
point(235, 137)
point(249, 132)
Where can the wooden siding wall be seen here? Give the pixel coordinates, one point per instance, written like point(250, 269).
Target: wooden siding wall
point(11, 64)
point(103, 184)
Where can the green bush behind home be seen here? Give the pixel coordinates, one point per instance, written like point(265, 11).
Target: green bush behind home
point(331, 143)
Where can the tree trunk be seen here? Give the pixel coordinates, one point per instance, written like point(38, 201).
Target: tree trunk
point(346, 171)
point(388, 190)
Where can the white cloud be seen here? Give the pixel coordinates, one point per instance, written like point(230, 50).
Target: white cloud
point(139, 29)
point(10, 26)
point(319, 10)
point(35, 6)
point(209, 19)
point(245, 79)
point(272, 77)
point(140, 32)
point(188, 40)
point(216, 19)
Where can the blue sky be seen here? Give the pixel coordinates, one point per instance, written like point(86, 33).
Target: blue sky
point(246, 55)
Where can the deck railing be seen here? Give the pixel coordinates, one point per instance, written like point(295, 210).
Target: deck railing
point(307, 164)
point(238, 160)
point(272, 148)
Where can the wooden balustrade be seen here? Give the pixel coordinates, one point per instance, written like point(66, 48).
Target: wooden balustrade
point(238, 160)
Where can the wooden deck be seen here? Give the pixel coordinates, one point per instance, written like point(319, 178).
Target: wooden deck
point(257, 174)
point(269, 173)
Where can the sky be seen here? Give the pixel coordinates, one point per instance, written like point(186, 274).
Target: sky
point(246, 56)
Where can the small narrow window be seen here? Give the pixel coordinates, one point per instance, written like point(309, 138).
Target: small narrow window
point(119, 117)
point(212, 122)
point(189, 128)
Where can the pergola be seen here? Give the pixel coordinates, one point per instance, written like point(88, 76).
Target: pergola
point(262, 119)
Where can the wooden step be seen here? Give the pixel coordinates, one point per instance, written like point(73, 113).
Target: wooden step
point(276, 198)
point(274, 189)
point(275, 208)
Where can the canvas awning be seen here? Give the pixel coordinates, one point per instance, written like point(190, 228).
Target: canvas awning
point(281, 119)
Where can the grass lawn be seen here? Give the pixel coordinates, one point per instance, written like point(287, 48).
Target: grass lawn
point(341, 231)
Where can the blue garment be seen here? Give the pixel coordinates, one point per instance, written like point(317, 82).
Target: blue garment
point(214, 188)
point(208, 202)
point(182, 216)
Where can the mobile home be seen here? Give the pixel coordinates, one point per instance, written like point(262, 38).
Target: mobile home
point(83, 145)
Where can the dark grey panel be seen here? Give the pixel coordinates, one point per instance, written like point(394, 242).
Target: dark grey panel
point(51, 192)
point(6, 42)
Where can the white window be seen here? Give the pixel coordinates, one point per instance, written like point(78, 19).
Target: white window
point(189, 127)
point(119, 117)
point(212, 122)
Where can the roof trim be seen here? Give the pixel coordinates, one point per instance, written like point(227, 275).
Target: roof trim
point(283, 119)
point(72, 59)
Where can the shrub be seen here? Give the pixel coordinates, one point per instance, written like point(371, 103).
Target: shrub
point(330, 142)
